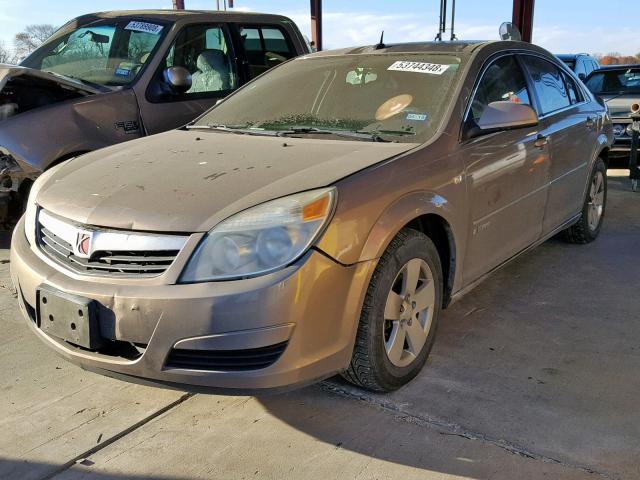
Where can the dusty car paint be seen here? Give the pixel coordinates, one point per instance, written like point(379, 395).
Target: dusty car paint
point(478, 215)
point(90, 117)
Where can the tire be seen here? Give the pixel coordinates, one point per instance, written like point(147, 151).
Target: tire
point(587, 229)
point(388, 352)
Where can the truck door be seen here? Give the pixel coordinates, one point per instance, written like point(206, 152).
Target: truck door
point(207, 52)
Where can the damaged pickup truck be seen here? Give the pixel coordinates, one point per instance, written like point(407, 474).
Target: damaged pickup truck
point(106, 78)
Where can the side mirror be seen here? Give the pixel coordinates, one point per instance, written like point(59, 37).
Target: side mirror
point(178, 78)
point(506, 116)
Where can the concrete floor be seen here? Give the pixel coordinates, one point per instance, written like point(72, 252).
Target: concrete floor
point(535, 374)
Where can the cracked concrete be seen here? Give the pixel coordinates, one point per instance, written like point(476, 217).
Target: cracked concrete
point(533, 375)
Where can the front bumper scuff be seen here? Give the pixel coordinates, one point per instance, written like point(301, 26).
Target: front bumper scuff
point(313, 304)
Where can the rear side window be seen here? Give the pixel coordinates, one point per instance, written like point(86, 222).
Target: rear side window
point(548, 84)
point(503, 80)
point(265, 47)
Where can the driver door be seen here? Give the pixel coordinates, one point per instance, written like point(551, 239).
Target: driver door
point(507, 174)
point(206, 51)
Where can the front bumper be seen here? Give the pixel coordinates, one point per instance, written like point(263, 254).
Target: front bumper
point(313, 305)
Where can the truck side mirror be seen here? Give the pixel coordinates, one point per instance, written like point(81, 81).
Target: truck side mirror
point(178, 78)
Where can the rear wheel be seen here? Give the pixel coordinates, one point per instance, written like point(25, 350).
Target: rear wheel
point(586, 229)
point(399, 316)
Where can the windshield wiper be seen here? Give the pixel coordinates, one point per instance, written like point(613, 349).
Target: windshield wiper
point(233, 129)
point(352, 134)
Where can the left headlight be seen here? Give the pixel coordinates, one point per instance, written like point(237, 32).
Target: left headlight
point(261, 239)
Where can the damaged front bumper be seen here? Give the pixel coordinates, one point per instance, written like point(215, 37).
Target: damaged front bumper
point(300, 322)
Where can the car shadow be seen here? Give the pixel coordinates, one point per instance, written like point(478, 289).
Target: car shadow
point(522, 361)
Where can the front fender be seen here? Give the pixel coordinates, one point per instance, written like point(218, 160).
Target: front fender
point(400, 213)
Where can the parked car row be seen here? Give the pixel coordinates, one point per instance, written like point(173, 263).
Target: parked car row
point(316, 221)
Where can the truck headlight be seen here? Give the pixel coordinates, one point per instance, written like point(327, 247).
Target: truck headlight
point(261, 239)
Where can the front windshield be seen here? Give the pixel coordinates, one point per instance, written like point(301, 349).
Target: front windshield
point(396, 97)
point(104, 52)
point(618, 81)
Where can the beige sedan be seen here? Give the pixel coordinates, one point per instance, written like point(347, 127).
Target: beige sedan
point(316, 221)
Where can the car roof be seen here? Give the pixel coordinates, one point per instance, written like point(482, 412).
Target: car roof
point(571, 56)
point(461, 48)
point(604, 68)
point(190, 15)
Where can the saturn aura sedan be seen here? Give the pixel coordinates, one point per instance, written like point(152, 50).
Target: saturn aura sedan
point(314, 222)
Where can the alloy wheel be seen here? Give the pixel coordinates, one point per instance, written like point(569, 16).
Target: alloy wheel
point(408, 313)
point(596, 201)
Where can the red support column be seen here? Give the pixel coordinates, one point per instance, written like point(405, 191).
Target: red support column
point(523, 17)
point(178, 4)
point(316, 23)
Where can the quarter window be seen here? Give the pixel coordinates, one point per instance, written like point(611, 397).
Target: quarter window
point(502, 81)
point(265, 47)
point(548, 84)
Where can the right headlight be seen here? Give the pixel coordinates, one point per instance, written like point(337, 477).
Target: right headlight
point(262, 239)
point(32, 207)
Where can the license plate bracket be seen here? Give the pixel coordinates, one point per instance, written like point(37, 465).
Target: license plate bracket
point(69, 317)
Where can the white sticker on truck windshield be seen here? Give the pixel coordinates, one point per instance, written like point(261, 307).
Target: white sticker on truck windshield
point(144, 27)
point(419, 67)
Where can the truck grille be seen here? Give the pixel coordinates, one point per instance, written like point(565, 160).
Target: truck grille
point(226, 360)
point(117, 260)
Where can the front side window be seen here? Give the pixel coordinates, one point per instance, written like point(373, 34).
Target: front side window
point(502, 81)
point(265, 47)
point(394, 97)
point(204, 50)
point(548, 84)
point(110, 53)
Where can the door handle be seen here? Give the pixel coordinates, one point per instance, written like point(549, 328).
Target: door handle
point(590, 122)
point(541, 141)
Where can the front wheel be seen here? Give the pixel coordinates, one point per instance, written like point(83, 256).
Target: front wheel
point(399, 316)
point(586, 229)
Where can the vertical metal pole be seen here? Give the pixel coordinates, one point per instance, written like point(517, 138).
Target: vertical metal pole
point(523, 17)
point(316, 23)
point(178, 4)
point(634, 172)
point(453, 21)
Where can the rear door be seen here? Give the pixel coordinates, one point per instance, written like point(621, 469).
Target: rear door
point(507, 175)
point(207, 52)
point(571, 132)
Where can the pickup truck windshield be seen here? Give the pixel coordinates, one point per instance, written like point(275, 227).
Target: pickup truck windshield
point(618, 81)
point(110, 53)
point(388, 97)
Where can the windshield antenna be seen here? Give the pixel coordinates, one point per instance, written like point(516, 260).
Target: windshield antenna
point(381, 45)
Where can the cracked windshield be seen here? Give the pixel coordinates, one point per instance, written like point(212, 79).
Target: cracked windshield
point(110, 53)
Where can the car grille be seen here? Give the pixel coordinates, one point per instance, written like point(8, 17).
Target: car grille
point(109, 262)
point(226, 360)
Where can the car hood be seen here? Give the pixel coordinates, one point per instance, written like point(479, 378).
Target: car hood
point(620, 105)
point(188, 181)
point(11, 71)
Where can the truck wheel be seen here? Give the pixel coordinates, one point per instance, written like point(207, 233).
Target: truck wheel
point(586, 230)
point(400, 314)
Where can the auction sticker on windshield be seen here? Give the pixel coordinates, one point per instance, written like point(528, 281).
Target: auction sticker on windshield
point(419, 67)
point(144, 27)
